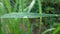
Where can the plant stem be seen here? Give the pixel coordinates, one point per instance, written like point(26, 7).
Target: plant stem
point(29, 26)
point(21, 6)
point(8, 6)
point(40, 12)
point(15, 6)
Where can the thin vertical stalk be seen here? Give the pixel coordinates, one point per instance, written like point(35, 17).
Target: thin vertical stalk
point(7, 5)
point(40, 12)
point(22, 25)
point(15, 6)
point(29, 26)
point(21, 5)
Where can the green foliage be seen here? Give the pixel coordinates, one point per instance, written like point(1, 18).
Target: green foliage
point(29, 16)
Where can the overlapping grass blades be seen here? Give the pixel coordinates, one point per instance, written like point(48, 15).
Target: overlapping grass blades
point(15, 6)
point(7, 5)
point(56, 30)
point(11, 22)
point(21, 5)
point(13, 25)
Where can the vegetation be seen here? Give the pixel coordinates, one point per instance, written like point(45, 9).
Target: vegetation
point(29, 17)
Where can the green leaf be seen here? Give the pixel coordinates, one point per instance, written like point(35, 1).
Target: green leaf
point(7, 5)
point(2, 8)
point(27, 15)
point(48, 30)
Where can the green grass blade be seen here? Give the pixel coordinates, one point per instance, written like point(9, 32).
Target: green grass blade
point(29, 26)
point(56, 30)
point(3, 27)
point(31, 6)
point(15, 6)
point(40, 12)
point(21, 5)
point(7, 5)
point(27, 15)
point(48, 30)
point(14, 25)
point(2, 8)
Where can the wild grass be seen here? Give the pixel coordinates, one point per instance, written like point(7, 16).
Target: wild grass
point(13, 25)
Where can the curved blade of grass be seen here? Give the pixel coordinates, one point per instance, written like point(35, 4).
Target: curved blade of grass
point(56, 30)
point(48, 30)
point(31, 6)
point(2, 9)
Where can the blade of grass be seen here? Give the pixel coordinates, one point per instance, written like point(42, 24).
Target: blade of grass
point(2, 8)
point(48, 30)
point(31, 6)
point(24, 26)
point(7, 5)
point(14, 26)
point(15, 6)
point(29, 26)
point(56, 30)
point(21, 5)
point(28, 15)
point(11, 25)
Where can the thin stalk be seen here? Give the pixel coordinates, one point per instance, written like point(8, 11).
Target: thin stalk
point(29, 26)
point(22, 25)
point(40, 12)
point(17, 25)
point(15, 6)
point(0, 27)
point(7, 5)
point(31, 6)
point(21, 5)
